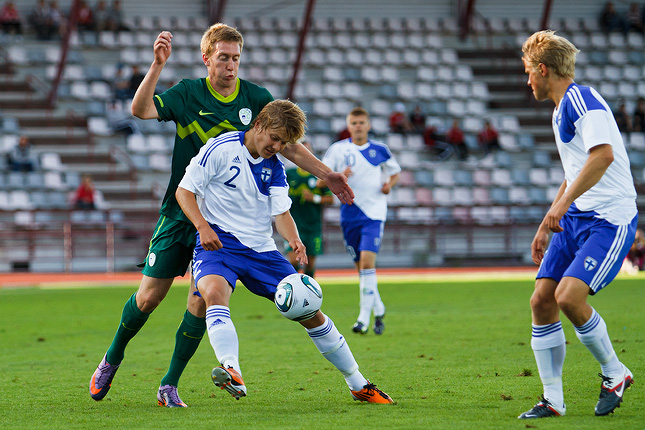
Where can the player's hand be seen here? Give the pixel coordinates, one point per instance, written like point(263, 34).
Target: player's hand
point(385, 189)
point(162, 47)
point(553, 217)
point(538, 246)
point(300, 250)
point(209, 239)
point(348, 171)
point(307, 195)
point(337, 183)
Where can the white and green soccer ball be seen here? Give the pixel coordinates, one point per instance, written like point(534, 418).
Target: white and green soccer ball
point(298, 297)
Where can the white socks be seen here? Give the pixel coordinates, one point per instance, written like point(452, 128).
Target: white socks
point(223, 336)
point(593, 334)
point(369, 296)
point(549, 347)
point(333, 347)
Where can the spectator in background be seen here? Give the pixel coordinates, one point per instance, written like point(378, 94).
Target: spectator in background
point(418, 120)
point(433, 141)
point(623, 119)
point(121, 85)
point(20, 157)
point(41, 21)
point(115, 18)
point(634, 18)
point(610, 20)
point(455, 137)
point(84, 195)
point(56, 18)
point(639, 116)
point(343, 134)
point(135, 80)
point(85, 21)
point(10, 20)
point(101, 16)
point(488, 138)
point(399, 120)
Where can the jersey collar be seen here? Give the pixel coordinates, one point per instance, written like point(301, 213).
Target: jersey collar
point(220, 97)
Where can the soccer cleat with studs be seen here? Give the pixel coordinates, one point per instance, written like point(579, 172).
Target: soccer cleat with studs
point(371, 394)
point(543, 409)
point(379, 325)
point(359, 327)
point(102, 379)
point(611, 392)
point(168, 397)
point(230, 380)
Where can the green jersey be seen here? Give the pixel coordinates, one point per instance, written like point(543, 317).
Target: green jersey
point(200, 113)
point(307, 215)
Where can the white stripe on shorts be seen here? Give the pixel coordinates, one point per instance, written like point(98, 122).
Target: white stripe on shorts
point(610, 259)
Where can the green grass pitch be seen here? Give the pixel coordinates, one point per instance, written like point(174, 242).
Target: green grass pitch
point(455, 355)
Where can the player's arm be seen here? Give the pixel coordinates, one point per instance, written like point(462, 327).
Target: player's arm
point(207, 236)
point(325, 199)
point(336, 182)
point(394, 179)
point(287, 229)
point(143, 105)
point(599, 159)
point(541, 239)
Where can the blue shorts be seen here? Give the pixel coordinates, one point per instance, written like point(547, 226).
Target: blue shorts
point(590, 249)
point(363, 235)
point(260, 272)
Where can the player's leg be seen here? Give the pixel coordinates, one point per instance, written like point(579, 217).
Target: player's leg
point(370, 244)
point(216, 291)
point(596, 265)
point(187, 339)
point(549, 348)
point(332, 345)
point(135, 313)
point(547, 337)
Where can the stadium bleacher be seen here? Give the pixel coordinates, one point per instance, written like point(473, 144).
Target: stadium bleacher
point(374, 61)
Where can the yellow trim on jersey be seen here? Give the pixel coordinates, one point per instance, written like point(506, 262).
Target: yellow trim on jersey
point(160, 101)
point(220, 97)
point(194, 127)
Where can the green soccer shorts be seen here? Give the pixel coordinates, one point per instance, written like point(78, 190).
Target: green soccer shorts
point(171, 249)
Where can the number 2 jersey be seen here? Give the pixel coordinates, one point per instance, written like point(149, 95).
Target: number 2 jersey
point(200, 113)
point(236, 192)
point(584, 120)
point(368, 162)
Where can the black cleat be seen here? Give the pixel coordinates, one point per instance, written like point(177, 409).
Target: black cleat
point(359, 328)
point(543, 409)
point(379, 325)
point(611, 392)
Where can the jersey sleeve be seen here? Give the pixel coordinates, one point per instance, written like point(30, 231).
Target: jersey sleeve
point(200, 170)
point(170, 104)
point(594, 128)
point(279, 190)
point(391, 166)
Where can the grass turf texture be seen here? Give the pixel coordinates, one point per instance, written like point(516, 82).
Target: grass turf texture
point(455, 354)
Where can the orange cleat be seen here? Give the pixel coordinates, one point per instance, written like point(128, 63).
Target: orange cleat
point(371, 394)
point(230, 380)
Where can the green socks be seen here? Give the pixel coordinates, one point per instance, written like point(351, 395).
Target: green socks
point(132, 320)
point(190, 333)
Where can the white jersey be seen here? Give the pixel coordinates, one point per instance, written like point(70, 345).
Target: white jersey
point(584, 120)
point(236, 192)
point(368, 162)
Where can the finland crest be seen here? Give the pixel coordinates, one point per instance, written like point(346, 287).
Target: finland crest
point(590, 263)
point(245, 115)
point(266, 174)
point(372, 153)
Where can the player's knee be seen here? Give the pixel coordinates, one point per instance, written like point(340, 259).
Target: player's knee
point(196, 306)
point(147, 301)
point(542, 304)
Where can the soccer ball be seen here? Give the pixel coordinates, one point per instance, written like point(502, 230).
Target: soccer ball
point(298, 297)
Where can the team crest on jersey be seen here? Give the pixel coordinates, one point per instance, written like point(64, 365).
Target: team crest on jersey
point(590, 263)
point(372, 153)
point(152, 258)
point(245, 115)
point(266, 174)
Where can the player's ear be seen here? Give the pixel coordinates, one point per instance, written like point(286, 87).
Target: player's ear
point(205, 59)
